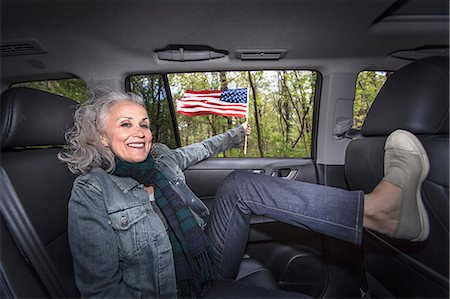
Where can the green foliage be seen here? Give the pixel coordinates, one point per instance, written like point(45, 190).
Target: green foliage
point(73, 88)
point(368, 84)
point(151, 88)
point(280, 107)
point(284, 101)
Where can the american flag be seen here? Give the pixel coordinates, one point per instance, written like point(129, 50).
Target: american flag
point(231, 102)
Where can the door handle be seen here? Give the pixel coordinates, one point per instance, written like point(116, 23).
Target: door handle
point(285, 173)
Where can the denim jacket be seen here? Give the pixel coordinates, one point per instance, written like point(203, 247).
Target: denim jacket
point(119, 245)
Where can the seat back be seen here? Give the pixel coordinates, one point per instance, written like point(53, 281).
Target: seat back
point(415, 98)
point(33, 124)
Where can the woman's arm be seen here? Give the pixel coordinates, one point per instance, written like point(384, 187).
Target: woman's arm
point(194, 153)
point(94, 246)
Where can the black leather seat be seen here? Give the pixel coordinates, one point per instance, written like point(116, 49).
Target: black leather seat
point(415, 98)
point(32, 133)
point(33, 124)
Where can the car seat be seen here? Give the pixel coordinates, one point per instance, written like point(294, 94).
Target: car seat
point(33, 124)
point(415, 98)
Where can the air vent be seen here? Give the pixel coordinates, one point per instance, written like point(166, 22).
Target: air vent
point(261, 54)
point(22, 47)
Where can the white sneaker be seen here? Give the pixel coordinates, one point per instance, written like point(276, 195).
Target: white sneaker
point(406, 165)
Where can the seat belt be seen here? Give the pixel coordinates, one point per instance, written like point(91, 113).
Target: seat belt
point(5, 289)
point(26, 237)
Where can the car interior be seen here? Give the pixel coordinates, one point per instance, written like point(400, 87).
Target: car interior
point(112, 43)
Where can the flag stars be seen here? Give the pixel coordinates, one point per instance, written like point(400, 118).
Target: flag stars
point(234, 96)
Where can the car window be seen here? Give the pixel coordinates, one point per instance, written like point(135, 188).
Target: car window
point(73, 88)
point(151, 88)
point(280, 108)
point(368, 84)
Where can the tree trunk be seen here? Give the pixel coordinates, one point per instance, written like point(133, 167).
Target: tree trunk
point(256, 115)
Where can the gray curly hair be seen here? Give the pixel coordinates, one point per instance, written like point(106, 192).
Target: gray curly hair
point(86, 150)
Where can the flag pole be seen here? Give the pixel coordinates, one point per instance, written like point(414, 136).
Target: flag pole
point(246, 120)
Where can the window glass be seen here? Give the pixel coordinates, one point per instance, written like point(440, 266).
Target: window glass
point(151, 88)
point(73, 88)
point(280, 109)
point(368, 84)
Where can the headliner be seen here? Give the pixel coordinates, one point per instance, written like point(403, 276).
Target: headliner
point(109, 39)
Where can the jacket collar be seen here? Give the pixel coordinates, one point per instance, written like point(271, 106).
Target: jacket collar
point(125, 183)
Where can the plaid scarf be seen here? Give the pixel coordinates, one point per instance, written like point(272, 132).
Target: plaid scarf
point(193, 266)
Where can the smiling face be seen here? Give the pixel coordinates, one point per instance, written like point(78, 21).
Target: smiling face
point(127, 132)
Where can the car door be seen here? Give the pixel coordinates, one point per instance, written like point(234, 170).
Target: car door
point(281, 145)
point(205, 177)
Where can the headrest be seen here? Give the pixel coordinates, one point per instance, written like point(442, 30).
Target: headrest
point(415, 98)
point(31, 117)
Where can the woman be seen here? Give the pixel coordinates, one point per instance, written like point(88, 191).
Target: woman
point(137, 230)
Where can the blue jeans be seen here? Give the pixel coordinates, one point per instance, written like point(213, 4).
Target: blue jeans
point(330, 211)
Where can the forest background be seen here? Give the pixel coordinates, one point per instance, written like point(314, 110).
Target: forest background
point(281, 105)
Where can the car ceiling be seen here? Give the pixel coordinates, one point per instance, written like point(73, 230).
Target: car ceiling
point(110, 39)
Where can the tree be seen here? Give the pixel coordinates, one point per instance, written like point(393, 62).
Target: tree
point(151, 88)
point(368, 84)
point(256, 114)
point(283, 95)
point(73, 88)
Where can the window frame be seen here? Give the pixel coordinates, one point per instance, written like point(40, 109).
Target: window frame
point(15, 84)
point(315, 105)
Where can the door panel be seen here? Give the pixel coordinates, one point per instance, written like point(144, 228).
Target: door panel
point(205, 177)
point(284, 249)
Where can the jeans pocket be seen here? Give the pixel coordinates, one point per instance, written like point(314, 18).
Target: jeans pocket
point(130, 227)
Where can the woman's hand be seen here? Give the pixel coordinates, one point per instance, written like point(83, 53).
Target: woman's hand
point(247, 129)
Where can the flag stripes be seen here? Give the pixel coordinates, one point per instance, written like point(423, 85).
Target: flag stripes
point(232, 102)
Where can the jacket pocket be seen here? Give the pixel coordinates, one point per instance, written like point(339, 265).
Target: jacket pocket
point(130, 226)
